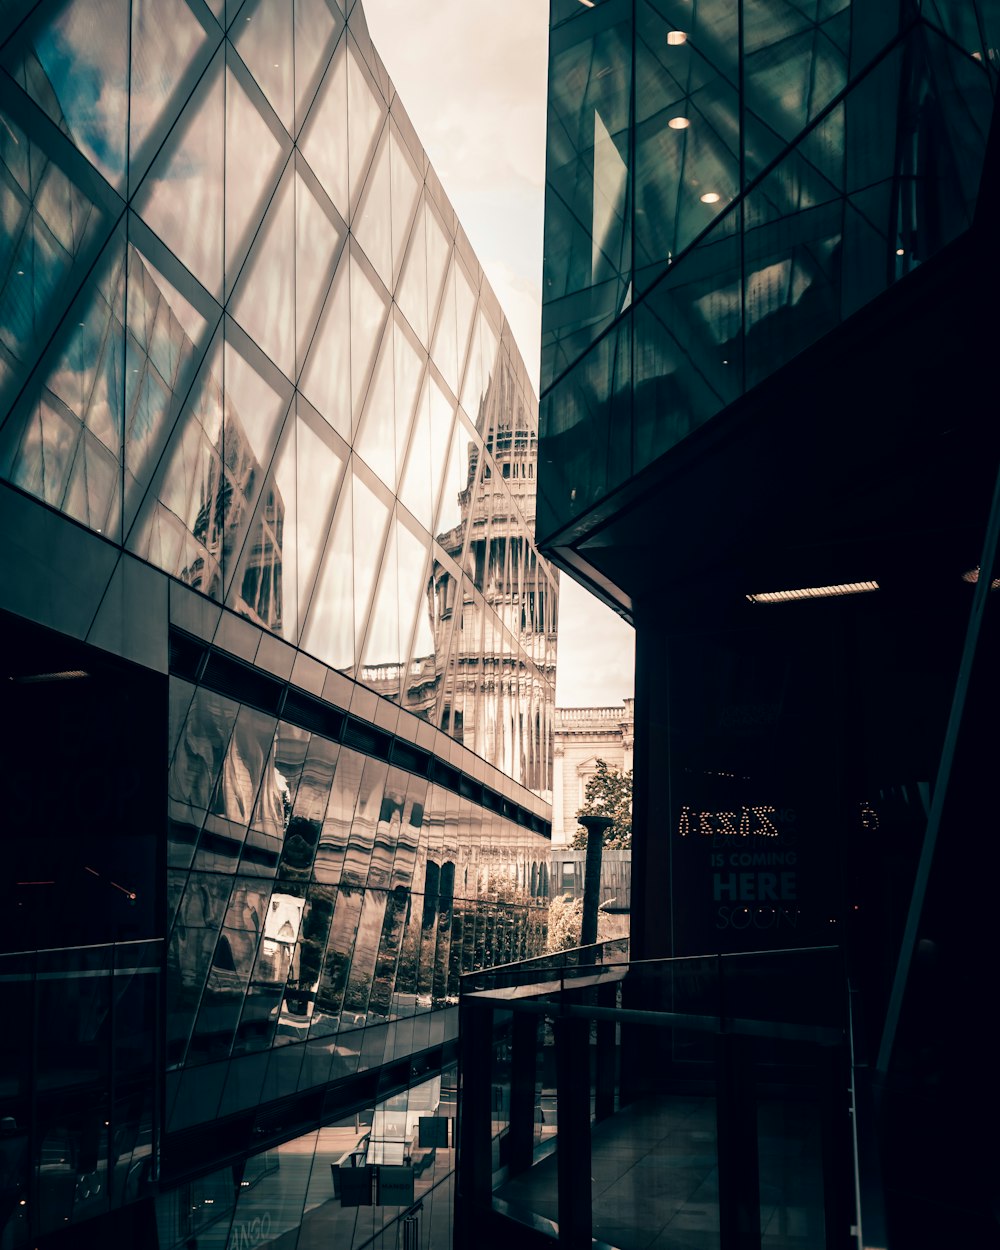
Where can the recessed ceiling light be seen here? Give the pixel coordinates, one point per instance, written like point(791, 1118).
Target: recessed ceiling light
point(679, 123)
point(674, 37)
point(711, 197)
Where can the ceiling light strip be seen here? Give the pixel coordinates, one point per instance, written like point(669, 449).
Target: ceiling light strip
point(813, 592)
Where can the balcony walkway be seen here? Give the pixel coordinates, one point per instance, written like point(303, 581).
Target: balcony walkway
point(655, 1177)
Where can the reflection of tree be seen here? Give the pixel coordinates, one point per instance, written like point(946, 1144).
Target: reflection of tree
point(565, 921)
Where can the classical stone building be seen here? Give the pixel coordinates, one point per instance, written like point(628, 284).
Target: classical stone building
point(584, 735)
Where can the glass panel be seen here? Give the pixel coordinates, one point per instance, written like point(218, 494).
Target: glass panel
point(318, 241)
point(333, 982)
point(376, 442)
point(372, 223)
point(182, 195)
point(329, 631)
point(263, 38)
point(67, 447)
point(792, 252)
point(359, 981)
point(168, 42)
point(178, 528)
point(307, 965)
point(305, 823)
point(243, 769)
point(83, 58)
point(371, 516)
point(405, 184)
point(326, 378)
point(339, 814)
point(465, 311)
point(324, 141)
point(252, 423)
point(364, 119)
point(320, 462)
point(252, 160)
point(442, 421)
point(411, 290)
point(438, 251)
point(264, 588)
point(381, 657)
point(362, 834)
point(444, 353)
point(317, 26)
point(264, 302)
point(192, 945)
point(368, 308)
point(416, 490)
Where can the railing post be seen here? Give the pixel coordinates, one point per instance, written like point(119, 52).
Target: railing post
point(474, 1194)
point(605, 1072)
point(739, 1171)
point(572, 1038)
point(521, 1135)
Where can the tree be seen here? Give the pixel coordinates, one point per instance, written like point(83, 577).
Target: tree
point(609, 793)
point(565, 919)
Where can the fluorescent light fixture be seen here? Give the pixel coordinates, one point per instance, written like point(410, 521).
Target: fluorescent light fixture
point(679, 123)
point(676, 37)
point(813, 592)
point(711, 197)
point(589, 3)
point(972, 576)
point(70, 674)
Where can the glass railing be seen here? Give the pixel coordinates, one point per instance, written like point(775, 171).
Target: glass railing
point(703, 1100)
point(79, 1084)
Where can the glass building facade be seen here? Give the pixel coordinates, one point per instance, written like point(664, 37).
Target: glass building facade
point(768, 439)
point(726, 183)
point(277, 633)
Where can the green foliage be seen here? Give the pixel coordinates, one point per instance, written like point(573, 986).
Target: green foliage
point(609, 793)
point(565, 919)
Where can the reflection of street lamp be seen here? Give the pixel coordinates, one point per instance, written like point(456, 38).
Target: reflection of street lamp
point(596, 827)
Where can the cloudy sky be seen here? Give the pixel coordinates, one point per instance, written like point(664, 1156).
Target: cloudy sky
point(472, 77)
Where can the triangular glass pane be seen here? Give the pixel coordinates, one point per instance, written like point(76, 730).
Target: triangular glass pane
point(405, 188)
point(180, 527)
point(381, 649)
point(465, 310)
point(264, 302)
point(253, 416)
point(263, 37)
point(444, 352)
point(409, 366)
point(317, 243)
point(375, 442)
point(368, 307)
point(411, 291)
point(167, 40)
point(438, 251)
point(64, 446)
point(326, 378)
point(83, 84)
point(442, 414)
point(252, 158)
point(182, 196)
point(411, 557)
point(324, 138)
point(416, 490)
point(264, 589)
point(317, 25)
point(372, 223)
point(371, 514)
point(472, 387)
point(364, 119)
point(320, 465)
point(329, 632)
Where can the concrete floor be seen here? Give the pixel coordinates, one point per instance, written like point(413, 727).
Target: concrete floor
point(654, 1173)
